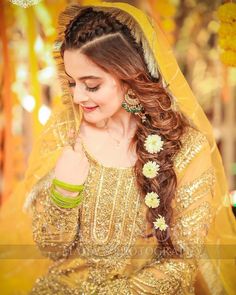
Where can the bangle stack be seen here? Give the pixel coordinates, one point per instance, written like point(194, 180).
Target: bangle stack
point(65, 201)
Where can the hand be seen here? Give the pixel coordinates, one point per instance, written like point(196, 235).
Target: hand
point(72, 166)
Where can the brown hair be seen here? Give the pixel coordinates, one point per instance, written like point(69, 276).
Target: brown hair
point(110, 45)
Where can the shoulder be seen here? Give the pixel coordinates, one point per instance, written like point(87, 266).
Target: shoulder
point(58, 131)
point(39, 190)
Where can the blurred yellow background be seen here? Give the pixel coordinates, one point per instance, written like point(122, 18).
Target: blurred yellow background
point(203, 38)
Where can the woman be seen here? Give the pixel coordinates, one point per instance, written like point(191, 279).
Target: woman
point(126, 198)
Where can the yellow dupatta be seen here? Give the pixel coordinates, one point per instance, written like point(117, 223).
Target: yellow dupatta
point(65, 117)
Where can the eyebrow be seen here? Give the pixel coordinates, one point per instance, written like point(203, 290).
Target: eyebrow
point(84, 77)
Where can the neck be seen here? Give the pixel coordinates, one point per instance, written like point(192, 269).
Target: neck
point(121, 124)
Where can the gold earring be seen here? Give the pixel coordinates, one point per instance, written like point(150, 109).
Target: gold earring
point(132, 105)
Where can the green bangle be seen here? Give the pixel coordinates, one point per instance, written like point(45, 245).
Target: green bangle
point(63, 201)
point(62, 204)
point(64, 198)
point(68, 186)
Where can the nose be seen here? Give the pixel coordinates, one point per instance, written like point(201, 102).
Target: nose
point(79, 95)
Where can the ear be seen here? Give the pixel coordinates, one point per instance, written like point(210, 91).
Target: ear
point(125, 86)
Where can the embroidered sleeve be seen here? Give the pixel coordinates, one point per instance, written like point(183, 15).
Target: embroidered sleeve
point(54, 229)
point(192, 216)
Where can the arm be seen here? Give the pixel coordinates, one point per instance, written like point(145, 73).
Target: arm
point(192, 215)
point(54, 229)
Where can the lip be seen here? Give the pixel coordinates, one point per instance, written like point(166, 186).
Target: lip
point(89, 109)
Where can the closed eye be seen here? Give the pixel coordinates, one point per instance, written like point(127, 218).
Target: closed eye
point(72, 84)
point(92, 88)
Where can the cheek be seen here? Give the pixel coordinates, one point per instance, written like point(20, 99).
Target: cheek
point(108, 96)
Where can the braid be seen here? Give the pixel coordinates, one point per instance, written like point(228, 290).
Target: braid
point(162, 119)
point(86, 26)
point(90, 24)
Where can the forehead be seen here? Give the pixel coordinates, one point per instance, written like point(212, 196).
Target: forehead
point(77, 64)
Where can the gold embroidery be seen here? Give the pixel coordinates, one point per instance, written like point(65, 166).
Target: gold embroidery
point(54, 228)
point(118, 286)
point(193, 191)
point(145, 282)
point(110, 212)
point(52, 285)
point(193, 220)
point(104, 229)
point(188, 231)
point(183, 272)
point(192, 143)
point(41, 186)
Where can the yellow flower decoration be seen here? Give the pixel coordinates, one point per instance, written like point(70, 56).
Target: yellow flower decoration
point(227, 33)
point(229, 58)
point(227, 29)
point(228, 42)
point(160, 223)
point(152, 200)
point(226, 12)
point(150, 169)
point(153, 144)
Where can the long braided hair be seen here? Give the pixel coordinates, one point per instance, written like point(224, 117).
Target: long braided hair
point(110, 45)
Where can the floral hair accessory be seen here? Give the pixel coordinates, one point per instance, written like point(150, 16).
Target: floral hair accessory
point(160, 223)
point(152, 200)
point(150, 169)
point(153, 144)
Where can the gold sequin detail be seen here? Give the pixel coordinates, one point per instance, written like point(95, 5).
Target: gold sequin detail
point(183, 272)
point(110, 212)
point(145, 283)
point(190, 193)
point(192, 143)
point(104, 229)
point(188, 232)
point(54, 229)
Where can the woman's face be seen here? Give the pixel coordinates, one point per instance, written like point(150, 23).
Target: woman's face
point(99, 93)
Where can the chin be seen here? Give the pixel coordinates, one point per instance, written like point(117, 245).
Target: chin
point(95, 121)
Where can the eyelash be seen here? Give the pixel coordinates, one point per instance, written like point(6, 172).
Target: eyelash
point(71, 84)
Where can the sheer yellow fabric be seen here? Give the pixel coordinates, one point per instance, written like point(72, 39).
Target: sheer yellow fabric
point(99, 267)
point(189, 230)
point(20, 274)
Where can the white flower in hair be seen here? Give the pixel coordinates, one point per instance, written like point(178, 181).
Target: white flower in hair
point(152, 200)
point(160, 223)
point(153, 143)
point(150, 169)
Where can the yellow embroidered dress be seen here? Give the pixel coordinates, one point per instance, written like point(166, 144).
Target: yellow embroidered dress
point(100, 247)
